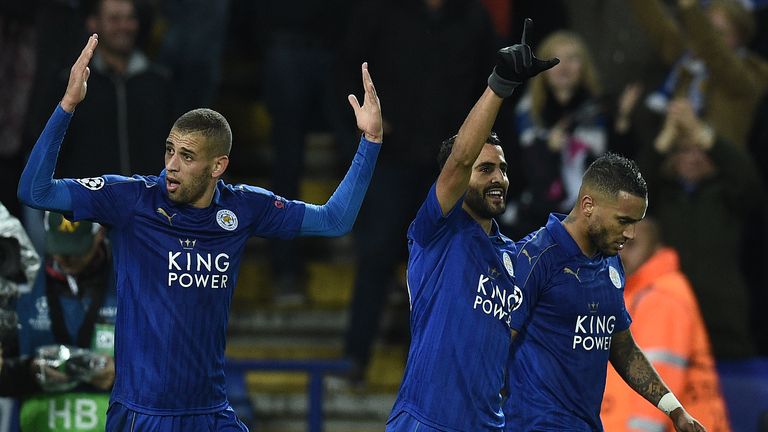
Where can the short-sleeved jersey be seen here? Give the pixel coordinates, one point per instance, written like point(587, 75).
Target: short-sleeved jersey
point(176, 269)
point(572, 306)
point(461, 289)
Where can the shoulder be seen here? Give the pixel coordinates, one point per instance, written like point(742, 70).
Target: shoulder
point(537, 244)
point(116, 181)
point(252, 195)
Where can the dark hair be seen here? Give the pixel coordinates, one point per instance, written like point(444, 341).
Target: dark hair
point(211, 125)
point(447, 146)
point(612, 173)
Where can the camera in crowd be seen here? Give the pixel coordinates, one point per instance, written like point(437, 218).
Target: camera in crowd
point(62, 367)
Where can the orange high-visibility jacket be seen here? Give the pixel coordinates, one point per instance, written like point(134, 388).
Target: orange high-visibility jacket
point(668, 327)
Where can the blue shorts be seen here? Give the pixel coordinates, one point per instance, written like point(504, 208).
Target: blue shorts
point(122, 419)
point(405, 422)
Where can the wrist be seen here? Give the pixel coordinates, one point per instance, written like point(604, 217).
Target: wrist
point(67, 106)
point(377, 138)
point(668, 403)
point(501, 86)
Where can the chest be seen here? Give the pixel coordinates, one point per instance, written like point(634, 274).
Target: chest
point(576, 291)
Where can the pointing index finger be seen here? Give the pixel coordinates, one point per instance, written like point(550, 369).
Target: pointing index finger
point(527, 24)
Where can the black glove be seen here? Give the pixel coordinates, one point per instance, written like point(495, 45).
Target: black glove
point(515, 64)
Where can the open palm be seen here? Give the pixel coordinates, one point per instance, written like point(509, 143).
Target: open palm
point(368, 115)
point(78, 76)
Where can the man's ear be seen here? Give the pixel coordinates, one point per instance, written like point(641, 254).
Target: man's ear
point(587, 205)
point(219, 166)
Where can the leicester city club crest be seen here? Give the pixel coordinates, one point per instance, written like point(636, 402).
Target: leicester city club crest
point(614, 275)
point(226, 219)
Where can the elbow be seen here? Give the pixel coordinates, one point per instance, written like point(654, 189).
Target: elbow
point(339, 229)
point(22, 193)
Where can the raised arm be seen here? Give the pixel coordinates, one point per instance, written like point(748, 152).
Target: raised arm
point(635, 369)
point(514, 65)
point(37, 188)
point(338, 214)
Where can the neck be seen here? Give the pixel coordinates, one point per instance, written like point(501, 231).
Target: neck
point(577, 229)
point(206, 198)
point(115, 61)
point(562, 95)
point(485, 223)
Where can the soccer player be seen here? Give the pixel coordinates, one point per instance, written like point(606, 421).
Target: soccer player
point(177, 240)
point(460, 273)
point(573, 315)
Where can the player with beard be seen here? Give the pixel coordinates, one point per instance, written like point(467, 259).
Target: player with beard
point(573, 315)
point(177, 243)
point(461, 282)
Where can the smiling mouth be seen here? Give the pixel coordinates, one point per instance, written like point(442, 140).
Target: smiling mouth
point(495, 194)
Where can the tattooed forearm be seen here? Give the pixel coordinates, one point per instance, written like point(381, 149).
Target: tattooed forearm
point(635, 369)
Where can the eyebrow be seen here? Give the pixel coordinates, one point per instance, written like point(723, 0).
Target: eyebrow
point(627, 218)
point(182, 148)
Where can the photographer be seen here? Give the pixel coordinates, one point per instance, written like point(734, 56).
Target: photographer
point(66, 333)
point(18, 265)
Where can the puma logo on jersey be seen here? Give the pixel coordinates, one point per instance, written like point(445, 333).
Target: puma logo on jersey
point(162, 212)
point(575, 274)
point(530, 258)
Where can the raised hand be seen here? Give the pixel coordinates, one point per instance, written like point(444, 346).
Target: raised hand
point(78, 76)
point(368, 115)
point(515, 64)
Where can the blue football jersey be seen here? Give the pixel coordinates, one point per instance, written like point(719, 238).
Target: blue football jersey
point(461, 289)
point(572, 306)
point(176, 269)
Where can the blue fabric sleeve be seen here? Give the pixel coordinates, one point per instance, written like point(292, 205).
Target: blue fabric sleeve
point(429, 220)
point(37, 187)
point(337, 216)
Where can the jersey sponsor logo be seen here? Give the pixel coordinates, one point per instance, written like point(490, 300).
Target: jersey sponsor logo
point(593, 332)
point(614, 275)
point(575, 274)
point(226, 219)
point(508, 264)
point(161, 211)
point(92, 183)
point(191, 268)
point(495, 301)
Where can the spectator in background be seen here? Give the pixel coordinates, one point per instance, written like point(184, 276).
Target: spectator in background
point(703, 189)
point(118, 129)
point(72, 303)
point(667, 325)
point(432, 58)
point(301, 40)
point(561, 129)
point(17, 67)
point(192, 48)
point(711, 65)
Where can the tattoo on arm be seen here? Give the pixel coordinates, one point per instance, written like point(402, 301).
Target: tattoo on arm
point(632, 365)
